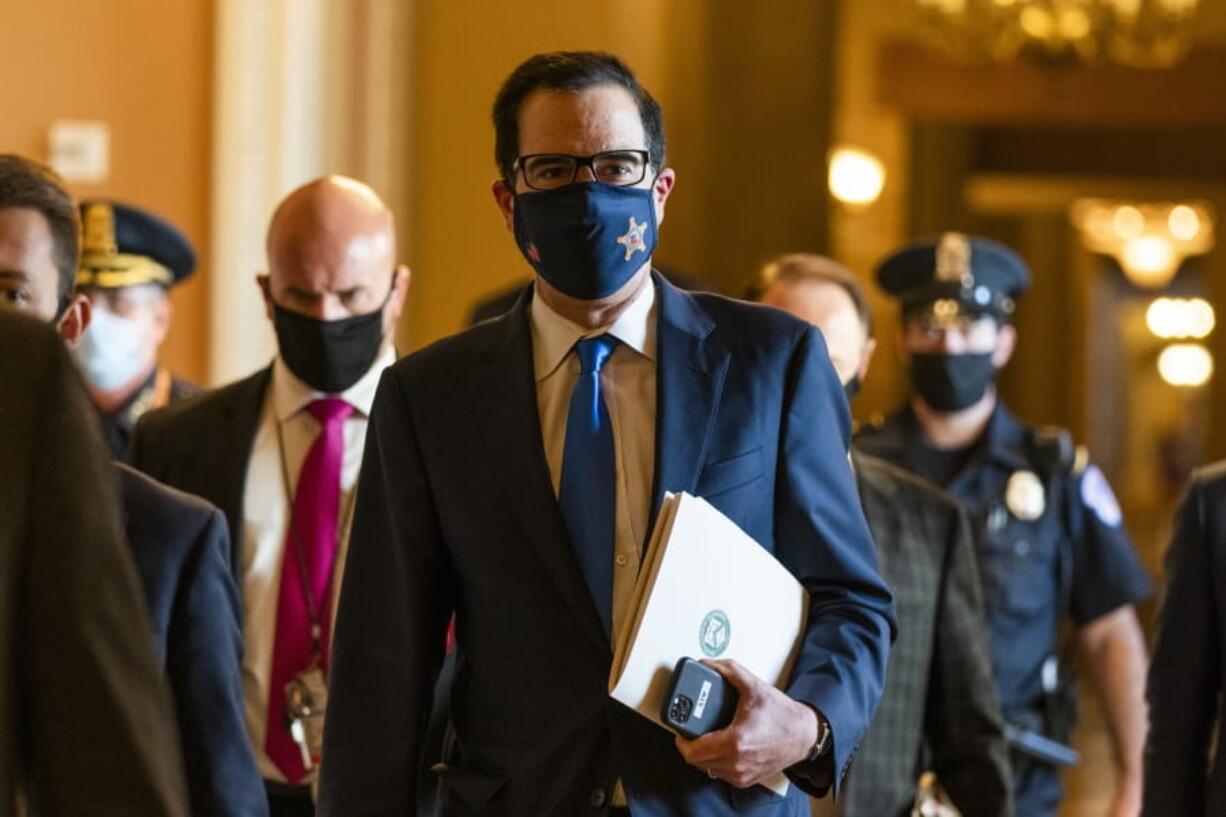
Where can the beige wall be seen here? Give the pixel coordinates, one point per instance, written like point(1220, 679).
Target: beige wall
point(861, 238)
point(144, 67)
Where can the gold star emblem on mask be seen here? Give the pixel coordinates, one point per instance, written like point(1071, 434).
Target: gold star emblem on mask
point(633, 240)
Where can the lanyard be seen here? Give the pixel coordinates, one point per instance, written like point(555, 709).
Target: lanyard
point(313, 611)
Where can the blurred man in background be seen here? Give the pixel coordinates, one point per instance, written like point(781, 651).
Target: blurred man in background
point(85, 724)
point(279, 453)
point(938, 710)
point(179, 543)
point(1049, 531)
point(1185, 761)
point(129, 260)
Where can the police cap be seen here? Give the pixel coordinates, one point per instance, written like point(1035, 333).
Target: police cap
point(125, 246)
point(955, 275)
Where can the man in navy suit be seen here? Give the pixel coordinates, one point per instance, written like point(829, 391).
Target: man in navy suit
point(178, 542)
point(512, 474)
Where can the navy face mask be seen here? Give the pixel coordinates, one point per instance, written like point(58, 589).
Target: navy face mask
point(587, 239)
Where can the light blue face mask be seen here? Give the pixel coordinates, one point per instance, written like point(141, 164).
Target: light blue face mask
point(112, 351)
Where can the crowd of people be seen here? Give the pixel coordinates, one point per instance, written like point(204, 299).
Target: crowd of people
point(355, 585)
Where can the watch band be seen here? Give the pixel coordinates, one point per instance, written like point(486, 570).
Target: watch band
point(823, 738)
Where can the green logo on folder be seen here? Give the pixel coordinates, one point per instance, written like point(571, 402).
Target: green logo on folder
point(714, 633)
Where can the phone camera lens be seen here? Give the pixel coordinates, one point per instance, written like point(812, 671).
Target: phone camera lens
point(679, 710)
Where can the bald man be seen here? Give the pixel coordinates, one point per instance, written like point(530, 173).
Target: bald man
point(279, 453)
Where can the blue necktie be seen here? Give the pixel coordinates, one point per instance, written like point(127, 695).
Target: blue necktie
point(588, 493)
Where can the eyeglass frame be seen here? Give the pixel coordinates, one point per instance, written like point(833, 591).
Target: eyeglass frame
point(581, 162)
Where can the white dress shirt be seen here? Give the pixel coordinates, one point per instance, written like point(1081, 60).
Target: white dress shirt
point(266, 511)
point(628, 386)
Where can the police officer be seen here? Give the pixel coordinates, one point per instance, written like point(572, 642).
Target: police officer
point(1049, 531)
point(129, 259)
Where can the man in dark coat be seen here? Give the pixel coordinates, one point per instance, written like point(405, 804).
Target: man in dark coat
point(257, 448)
point(939, 710)
point(180, 543)
point(483, 494)
point(86, 727)
point(1185, 760)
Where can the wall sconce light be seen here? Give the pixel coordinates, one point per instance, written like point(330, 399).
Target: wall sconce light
point(1180, 318)
point(1187, 365)
point(856, 177)
point(1149, 240)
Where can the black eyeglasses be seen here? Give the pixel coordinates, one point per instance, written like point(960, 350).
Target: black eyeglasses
point(548, 171)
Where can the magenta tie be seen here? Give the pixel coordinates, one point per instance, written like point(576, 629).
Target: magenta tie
point(310, 552)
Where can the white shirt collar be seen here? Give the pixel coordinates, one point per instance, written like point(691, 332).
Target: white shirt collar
point(553, 336)
point(290, 395)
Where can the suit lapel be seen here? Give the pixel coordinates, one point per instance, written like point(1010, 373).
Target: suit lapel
point(690, 375)
point(233, 440)
point(505, 391)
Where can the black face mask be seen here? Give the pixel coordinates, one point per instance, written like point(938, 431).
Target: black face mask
point(852, 387)
point(329, 356)
point(952, 382)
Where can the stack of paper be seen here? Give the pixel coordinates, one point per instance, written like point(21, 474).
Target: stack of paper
point(706, 590)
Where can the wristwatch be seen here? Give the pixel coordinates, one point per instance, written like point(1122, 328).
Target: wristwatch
point(823, 738)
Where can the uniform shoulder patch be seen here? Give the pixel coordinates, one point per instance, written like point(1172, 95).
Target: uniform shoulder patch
point(1081, 460)
point(1097, 495)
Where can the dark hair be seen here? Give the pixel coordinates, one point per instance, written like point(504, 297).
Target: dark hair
point(570, 71)
point(24, 183)
point(798, 267)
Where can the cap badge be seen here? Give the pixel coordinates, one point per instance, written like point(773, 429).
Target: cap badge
point(633, 239)
point(98, 229)
point(1024, 496)
point(954, 259)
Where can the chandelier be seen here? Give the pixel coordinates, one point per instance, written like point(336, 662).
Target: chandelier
point(1150, 240)
point(1135, 33)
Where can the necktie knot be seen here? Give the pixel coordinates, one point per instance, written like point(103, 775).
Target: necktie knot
point(594, 352)
point(330, 411)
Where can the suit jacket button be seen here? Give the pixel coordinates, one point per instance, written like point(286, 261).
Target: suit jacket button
point(598, 798)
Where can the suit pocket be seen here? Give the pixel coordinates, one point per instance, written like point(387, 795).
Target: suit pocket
point(758, 797)
point(473, 790)
point(733, 472)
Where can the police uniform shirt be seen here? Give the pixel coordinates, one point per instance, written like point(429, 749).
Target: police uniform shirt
point(117, 425)
point(266, 512)
point(1027, 529)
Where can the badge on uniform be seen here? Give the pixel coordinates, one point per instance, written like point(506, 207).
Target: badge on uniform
point(1097, 495)
point(1024, 496)
point(306, 700)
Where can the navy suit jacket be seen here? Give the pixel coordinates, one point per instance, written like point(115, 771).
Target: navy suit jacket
point(181, 550)
point(456, 512)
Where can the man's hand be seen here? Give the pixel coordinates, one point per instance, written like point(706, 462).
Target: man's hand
point(769, 732)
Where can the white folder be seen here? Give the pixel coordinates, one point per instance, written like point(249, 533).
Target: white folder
point(706, 589)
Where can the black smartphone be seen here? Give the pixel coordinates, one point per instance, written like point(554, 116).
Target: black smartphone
point(699, 700)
